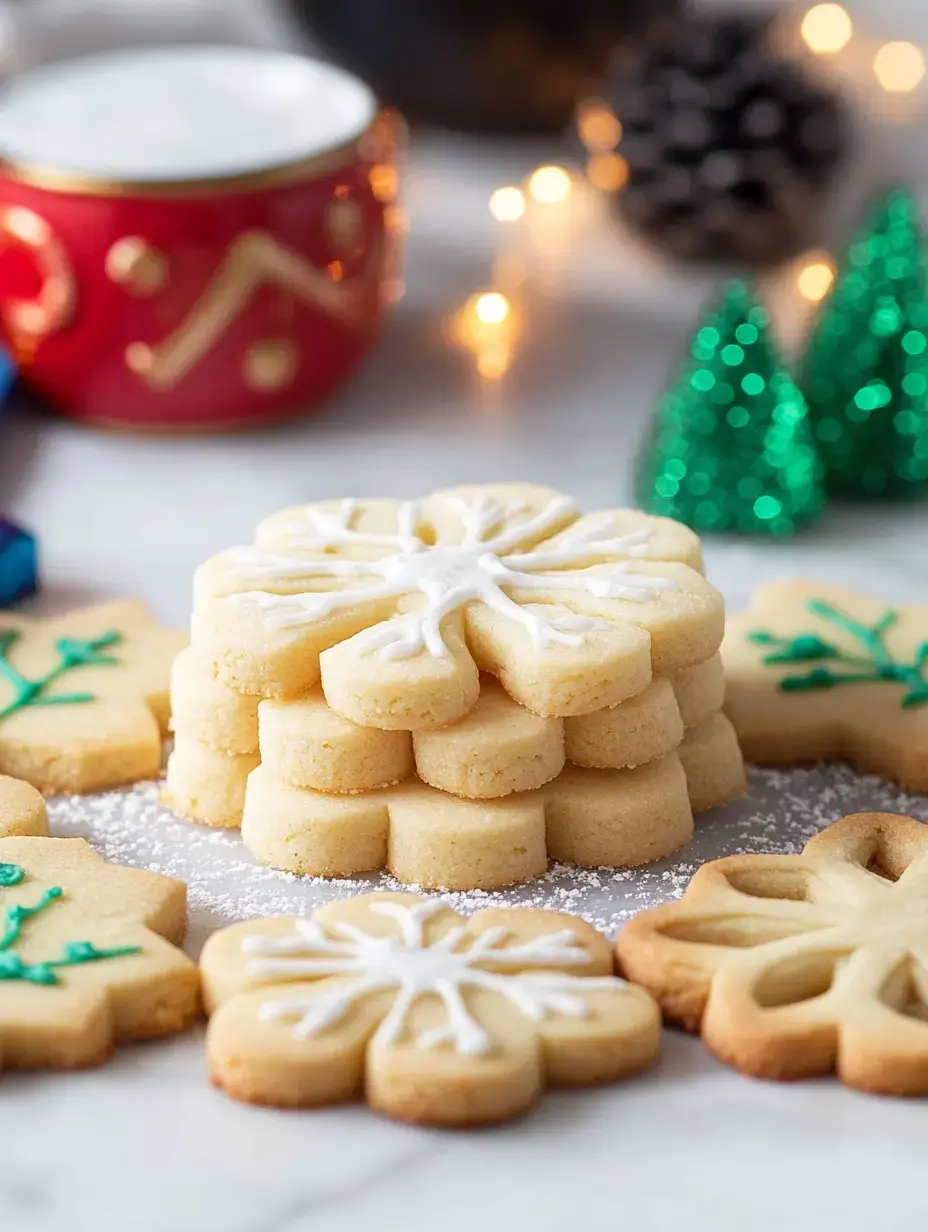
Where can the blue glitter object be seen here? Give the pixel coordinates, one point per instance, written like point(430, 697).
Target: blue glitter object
point(18, 564)
point(18, 557)
point(7, 375)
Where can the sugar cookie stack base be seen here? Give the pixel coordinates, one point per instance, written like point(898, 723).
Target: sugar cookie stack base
point(482, 801)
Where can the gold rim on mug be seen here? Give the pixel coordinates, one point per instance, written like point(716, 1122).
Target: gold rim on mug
point(54, 180)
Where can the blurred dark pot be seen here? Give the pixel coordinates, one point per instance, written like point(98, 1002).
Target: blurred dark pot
point(477, 65)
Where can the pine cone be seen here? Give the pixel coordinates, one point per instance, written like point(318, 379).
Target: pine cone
point(729, 146)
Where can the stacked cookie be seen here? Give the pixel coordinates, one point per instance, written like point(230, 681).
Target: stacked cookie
point(456, 689)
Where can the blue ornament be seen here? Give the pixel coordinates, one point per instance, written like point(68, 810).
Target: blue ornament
point(7, 375)
point(18, 564)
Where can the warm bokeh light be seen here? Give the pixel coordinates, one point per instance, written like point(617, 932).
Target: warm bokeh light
point(494, 362)
point(826, 28)
point(549, 185)
point(899, 67)
point(396, 219)
point(509, 269)
point(814, 280)
point(491, 308)
point(385, 137)
point(488, 327)
point(598, 126)
point(607, 171)
point(507, 204)
point(384, 181)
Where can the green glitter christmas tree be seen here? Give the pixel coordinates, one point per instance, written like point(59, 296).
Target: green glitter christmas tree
point(865, 373)
point(731, 449)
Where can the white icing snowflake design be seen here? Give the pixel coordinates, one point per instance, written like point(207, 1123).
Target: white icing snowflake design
point(483, 567)
point(407, 964)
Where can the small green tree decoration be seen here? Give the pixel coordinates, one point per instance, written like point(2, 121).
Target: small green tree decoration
point(72, 653)
point(865, 372)
point(872, 661)
point(731, 448)
point(12, 920)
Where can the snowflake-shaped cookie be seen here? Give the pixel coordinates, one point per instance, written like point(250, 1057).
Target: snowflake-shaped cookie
point(86, 955)
point(437, 1019)
point(406, 601)
point(429, 838)
point(797, 965)
point(816, 672)
point(84, 697)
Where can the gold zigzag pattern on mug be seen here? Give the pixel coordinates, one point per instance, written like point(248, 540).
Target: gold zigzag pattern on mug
point(251, 260)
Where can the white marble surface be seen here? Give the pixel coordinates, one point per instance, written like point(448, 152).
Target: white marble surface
point(144, 1145)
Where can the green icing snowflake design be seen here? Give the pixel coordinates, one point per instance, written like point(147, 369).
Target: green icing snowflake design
point(12, 966)
point(72, 652)
point(875, 662)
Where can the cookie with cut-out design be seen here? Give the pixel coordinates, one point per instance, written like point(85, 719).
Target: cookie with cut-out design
point(818, 672)
point(798, 965)
point(84, 698)
point(88, 955)
point(430, 1017)
point(398, 606)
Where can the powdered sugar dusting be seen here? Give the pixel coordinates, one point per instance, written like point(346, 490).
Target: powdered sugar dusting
point(783, 809)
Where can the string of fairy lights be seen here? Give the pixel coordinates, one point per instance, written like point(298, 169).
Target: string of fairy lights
point(898, 67)
point(489, 323)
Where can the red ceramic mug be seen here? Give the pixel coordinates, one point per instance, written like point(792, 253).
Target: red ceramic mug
point(189, 236)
